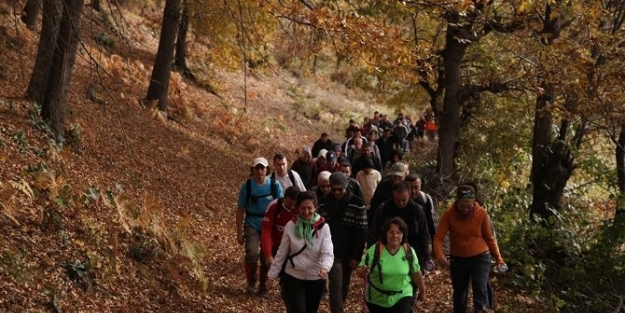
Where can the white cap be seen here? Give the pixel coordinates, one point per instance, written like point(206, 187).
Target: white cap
point(261, 161)
point(322, 153)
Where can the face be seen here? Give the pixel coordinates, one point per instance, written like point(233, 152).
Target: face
point(306, 209)
point(288, 203)
point(367, 151)
point(321, 160)
point(346, 170)
point(280, 166)
point(337, 152)
point(394, 236)
point(368, 170)
point(357, 143)
point(386, 134)
point(259, 172)
point(396, 178)
point(396, 158)
point(305, 157)
point(324, 138)
point(324, 186)
point(465, 205)
point(415, 188)
point(401, 198)
point(337, 191)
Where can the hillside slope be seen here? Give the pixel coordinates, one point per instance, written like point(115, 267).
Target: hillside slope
point(134, 212)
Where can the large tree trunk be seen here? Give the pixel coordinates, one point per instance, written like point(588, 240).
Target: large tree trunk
point(620, 171)
point(47, 42)
point(30, 13)
point(450, 118)
point(159, 81)
point(180, 59)
point(55, 96)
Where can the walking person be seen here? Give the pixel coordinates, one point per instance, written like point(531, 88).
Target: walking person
point(254, 196)
point(278, 214)
point(392, 269)
point(346, 215)
point(306, 255)
point(471, 245)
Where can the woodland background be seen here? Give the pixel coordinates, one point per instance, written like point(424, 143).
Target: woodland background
point(127, 128)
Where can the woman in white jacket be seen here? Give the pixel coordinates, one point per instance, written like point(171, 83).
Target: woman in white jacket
point(304, 258)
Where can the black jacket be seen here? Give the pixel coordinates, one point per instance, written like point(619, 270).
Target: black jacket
point(412, 214)
point(347, 218)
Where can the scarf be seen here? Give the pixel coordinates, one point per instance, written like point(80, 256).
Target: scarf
point(304, 229)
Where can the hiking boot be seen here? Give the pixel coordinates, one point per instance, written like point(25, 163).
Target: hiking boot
point(250, 289)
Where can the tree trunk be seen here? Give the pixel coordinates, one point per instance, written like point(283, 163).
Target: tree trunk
point(180, 60)
point(552, 161)
point(159, 81)
point(450, 119)
point(55, 96)
point(620, 171)
point(30, 13)
point(47, 42)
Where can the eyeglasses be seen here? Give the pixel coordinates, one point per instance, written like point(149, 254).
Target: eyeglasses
point(339, 189)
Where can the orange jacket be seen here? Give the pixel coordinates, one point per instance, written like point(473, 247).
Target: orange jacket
point(467, 237)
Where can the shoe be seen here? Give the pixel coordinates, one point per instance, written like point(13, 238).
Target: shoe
point(263, 294)
point(250, 289)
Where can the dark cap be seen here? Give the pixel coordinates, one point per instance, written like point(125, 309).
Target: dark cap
point(338, 179)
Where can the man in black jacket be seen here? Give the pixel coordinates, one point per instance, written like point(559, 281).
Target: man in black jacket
point(384, 190)
point(322, 143)
point(346, 215)
point(402, 206)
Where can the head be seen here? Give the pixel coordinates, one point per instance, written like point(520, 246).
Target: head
point(357, 142)
point(337, 150)
point(465, 198)
point(386, 133)
point(338, 184)
point(260, 168)
point(397, 156)
point(394, 231)
point(331, 158)
point(346, 169)
point(401, 194)
point(290, 197)
point(367, 149)
point(306, 204)
point(321, 158)
point(280, 164)
point(376, 115)
point(414, 180)
point(368, 166)
point(324, 137)
point(373, 135)
point(323, 182)
point(349, 133)
point(352, 122)
point(398, 171)
point(305, 154)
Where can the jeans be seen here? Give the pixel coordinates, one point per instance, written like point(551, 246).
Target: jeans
point(302, 295)
point(402, 306)
point(339, 276)
point(476, 270)
point(252, 256)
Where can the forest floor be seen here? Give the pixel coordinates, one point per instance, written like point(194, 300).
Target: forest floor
point(134, 212)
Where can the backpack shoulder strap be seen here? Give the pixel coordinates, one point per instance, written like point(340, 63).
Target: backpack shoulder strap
point(409, 256)
point(248, 191)
point(274, 188)
point(423, 197)
point(291, 177)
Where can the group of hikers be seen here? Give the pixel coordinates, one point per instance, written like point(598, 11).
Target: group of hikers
point(356, 207)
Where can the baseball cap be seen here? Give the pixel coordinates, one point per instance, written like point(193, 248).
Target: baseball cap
point(322, 153)
point(398, 169)
point(262, 161)
point(330, 156)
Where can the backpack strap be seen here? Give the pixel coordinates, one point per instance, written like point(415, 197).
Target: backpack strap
point(291, 177)
point(278, 208)
point(274, 188)
point(409, 256)
point(248, 191)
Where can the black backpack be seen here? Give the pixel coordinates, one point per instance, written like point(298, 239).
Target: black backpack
point(291, 176)
point(254, 198)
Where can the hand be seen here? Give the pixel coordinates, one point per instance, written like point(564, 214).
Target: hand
point(241, 239)
point(362, 271)
point(443, 260)
point(269, 261)
point(269, 284)
point(323, 274)
point(353, 264)
point(421, 295)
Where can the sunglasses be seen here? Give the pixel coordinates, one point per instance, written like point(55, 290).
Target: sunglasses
point(339, 189)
